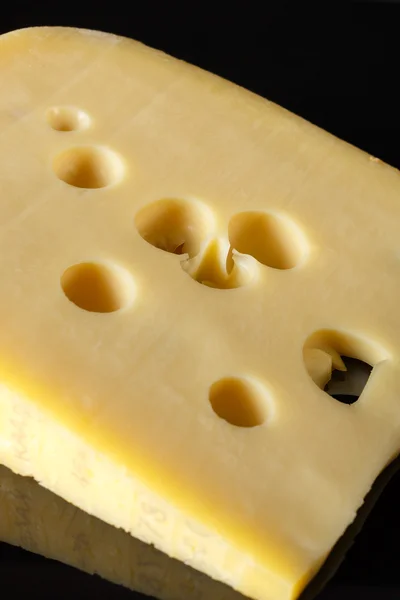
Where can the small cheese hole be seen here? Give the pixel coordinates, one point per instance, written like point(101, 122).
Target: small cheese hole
point(67, 118)
point(271, 239)
point(88, 167)
point(97, 287)
point(340, 364)
point(238, 402)
point(174, 225)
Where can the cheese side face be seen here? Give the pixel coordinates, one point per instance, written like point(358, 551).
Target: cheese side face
point(37, 520)
point(183, 264)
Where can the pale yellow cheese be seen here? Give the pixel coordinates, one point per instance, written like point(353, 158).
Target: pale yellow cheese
point(173, 249)
point(38, 521)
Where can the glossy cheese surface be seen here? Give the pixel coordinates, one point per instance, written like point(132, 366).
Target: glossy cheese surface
point(182, 265)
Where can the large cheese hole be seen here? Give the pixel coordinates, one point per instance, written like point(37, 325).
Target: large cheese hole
point(88, 167)
point(67, 118)
point(341, 364)
point(97, 287)
point(271, 239)
point(238, 402)
point(175, 225)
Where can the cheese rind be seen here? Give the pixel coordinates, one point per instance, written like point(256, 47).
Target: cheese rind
point(38, 521)
point(129, 386)
point(30, 442)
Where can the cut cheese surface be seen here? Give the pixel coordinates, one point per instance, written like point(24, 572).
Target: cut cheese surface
point(182, 265)
point(37, 520)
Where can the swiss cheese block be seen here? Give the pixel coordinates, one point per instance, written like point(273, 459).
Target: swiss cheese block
point(183, 264)
point(41, 522)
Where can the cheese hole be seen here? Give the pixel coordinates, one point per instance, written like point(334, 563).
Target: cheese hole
point(97, 287)
point(174, 225)
point(211, 267)
point(67, 118)
point(238, 402)
point(347, 386)
point(341, 364)
point(271, 239)
point(88, 167)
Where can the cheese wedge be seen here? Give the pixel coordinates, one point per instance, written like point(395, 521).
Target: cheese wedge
point(35, 519)
point(182, 265)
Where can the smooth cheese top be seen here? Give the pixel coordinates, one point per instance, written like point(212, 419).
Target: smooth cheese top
point(172, 248)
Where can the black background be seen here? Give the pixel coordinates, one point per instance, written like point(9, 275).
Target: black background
point(337, 66)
